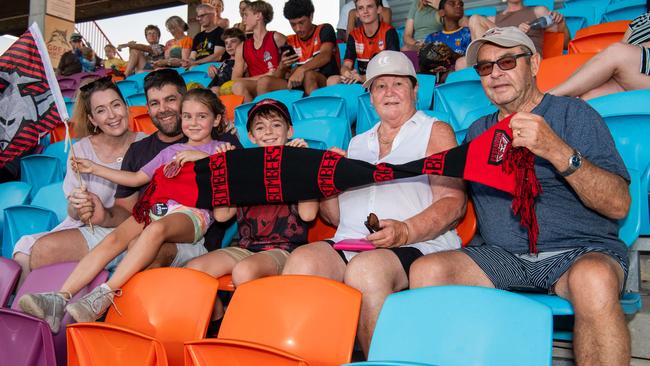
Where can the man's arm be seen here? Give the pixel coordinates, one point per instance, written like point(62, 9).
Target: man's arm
point(600, 190)
point(214, 57)
point(136, 46)
point(240, 65)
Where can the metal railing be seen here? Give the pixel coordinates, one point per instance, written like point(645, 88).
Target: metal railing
point(94, 37)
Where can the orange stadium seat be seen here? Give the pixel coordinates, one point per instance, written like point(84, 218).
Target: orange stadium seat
point(555, 70)
point(553, 44)
point(466, 228)
point(231, 102)
point(140, 121)
point(284, 320)
point(598, 37)
point(158, 312)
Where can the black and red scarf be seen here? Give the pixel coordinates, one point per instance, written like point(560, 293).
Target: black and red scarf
point(277, 174)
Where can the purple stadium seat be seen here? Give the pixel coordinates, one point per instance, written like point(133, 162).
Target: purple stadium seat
point(50, 278)
point(25, 340)
point(9, 273)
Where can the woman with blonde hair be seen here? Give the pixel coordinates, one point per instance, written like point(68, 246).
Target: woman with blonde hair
point(177, 49)
point(101, 123)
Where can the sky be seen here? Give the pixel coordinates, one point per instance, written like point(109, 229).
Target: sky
point(131, 27)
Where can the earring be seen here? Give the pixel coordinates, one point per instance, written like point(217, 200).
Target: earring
point(95, 129)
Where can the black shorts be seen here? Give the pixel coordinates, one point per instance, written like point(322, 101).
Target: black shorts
point(508, 271)
point(406, 255)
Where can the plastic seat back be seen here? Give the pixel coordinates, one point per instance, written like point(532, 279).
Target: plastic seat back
point(241, 116)
point(25, 340)
point(320, 106)
point(555, 70)
point(204, 67)
point(310, 317)
point(598, 37)
point(578, 17)
point(139, 80)
point(136, 111)
point(24, 220)
point(468, 73)
point(426, 84)
point(350, 93)
point(320, 230)
point(367, 117)
point(128, 87)
point(9, 273)
point(40, 170)
point(458, 325)
point(624, 10)
point(486, 11)
point(466, 228)
point(458, 99)
point(171, 305)
point(553, 44)
point(136, 99)
point(12, 194)
point(286, 96)
point(144, 123)
point(58, 150)
point(52, 197)
point(231, 102)
point(200, 77)
point(549, 4)
point(67, 83)
point(51, 278)
point(324, 132)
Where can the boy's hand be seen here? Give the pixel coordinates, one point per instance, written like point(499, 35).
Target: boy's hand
point(212, 71)
point(82, 166)
point(223, 148)
point(338, 151)
point(296, 79)
point(297, 143)
point(287, 60)
point(189, 155)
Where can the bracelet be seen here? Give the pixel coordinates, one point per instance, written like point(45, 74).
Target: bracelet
point(407, 233)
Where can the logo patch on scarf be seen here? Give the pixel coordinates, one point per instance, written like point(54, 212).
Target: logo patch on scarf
point(434, 164)
point(326, 173)
point(219, 180)
point(272, 173)
point(499, 143)
point(383, 173)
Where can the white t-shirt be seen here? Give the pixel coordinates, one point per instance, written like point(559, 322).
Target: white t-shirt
point(345, 10)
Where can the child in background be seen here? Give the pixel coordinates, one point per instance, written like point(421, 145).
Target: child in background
point(453, 35)
point(87, 59)
point(268, 233)
point(221, 83)
point(171, 222)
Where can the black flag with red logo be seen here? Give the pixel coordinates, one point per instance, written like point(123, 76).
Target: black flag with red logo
point(28, 96)
point(277, 174)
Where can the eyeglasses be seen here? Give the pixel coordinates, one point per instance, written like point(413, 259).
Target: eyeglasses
point(507, 62)
point(200, 16)
point(96, 83)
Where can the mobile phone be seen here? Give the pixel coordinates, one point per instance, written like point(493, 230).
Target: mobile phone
point(355, 245)
point(372, 223)
point(287, 48)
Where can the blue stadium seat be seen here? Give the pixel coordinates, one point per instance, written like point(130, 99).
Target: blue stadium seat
point(57, 150)
point(128, 87)
point(139, 79)
point(486, 11)
point(624, 10)
point(241, 116)
point(230, 233)
point(204, 67)
point(286, 96)
point(24, 220)
point(323, 133)
point(473, 115)
point(366, 114)
point(52, 197)
point(350, 93)
point(69, 107)
point(458, 99)
point(461, 325)
point(342, 47)
point(400, 35)
point(426, 84)
point(320, 106)
point(579, 16)
point(136, 99)
point(12, 194)
point(40, 170)
point(599, 7)
point(193, 76)
point(468, 73)
point(549, 4)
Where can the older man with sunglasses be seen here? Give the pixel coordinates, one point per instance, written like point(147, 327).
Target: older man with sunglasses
point(584, 193)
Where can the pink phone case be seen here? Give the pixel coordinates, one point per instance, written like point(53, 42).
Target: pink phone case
point(356, 245)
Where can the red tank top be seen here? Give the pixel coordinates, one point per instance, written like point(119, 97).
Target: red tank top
point(264, 59)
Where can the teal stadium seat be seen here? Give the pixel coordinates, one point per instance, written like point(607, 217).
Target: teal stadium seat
point(204, 67)
point(136, 99)
point(24, 220)
point(52, 197)
point(241, 116)
point(426, 85)
point(194, 76)
point(349, 92)
point(579, 16)
point(12, 194)
point(323, 133)
point(459, 99)
point(139, 79)
point(366, 114)
point(57, 150)
point(461, 325)
point(40, 170)
point(128, 87)
point(549, 4)
point(468, 73)
point(486, 11)
point(624, 10)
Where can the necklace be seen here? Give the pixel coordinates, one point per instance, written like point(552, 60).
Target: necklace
point(383, 142)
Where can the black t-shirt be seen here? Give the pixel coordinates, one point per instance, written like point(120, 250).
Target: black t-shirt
point(204, 42)
point(141, 152)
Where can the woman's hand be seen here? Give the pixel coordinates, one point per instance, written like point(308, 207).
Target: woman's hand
point(393, 233)
point(189, 155)
point(223, 148)
point(82, 165)
point(297, 143)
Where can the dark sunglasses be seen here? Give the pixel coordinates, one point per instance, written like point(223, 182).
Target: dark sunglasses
point(508, 62)
point(105, 80)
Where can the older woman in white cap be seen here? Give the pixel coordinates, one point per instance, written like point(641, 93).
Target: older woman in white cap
point(417, 215)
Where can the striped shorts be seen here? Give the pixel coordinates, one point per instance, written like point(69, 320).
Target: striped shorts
point(526, 272)
point(645, 60)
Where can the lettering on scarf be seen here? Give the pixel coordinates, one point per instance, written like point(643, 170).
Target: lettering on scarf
point(219, 180)
point(326, 173)
point(272, 173)
point(383, 173)
point(500, 141)
point(434, 164)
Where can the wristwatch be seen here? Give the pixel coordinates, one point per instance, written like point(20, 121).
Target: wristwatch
point(575, 162)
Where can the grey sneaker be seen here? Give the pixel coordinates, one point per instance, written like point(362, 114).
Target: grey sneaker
point(48, 306)
point(93, 305)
